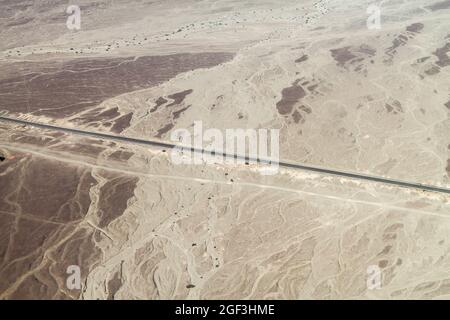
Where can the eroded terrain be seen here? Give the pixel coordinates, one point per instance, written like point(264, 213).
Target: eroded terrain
point(140, 227)
point(143, 228)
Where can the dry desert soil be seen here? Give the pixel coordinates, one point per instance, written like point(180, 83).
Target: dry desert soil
point(344, 97)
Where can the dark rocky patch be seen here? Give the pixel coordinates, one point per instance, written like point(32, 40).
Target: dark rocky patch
point(415, 27)
point(302, 59)
point(114, 284)
point(177, 114)
point(342, 55)
point(114, 196)
point(422, 60)
point(177, 101)
point(121, 155)
point(108, 114)
point(19, 22)
point(306, 109)
point(297, 116)
point(402, 39)
point(159, 103)
point(354, 56)
point(442, 55)
point(179, 97)
point(41, 202)
point(439, 6)
point(122, 123)
point(12, 8)
point(97, 115)
point(164, 130)
point(289, 97)
point(447, 105)
point(432, 70)
point(367, 50)
point(65, 88)
point(80, 149)
point(312, 88)
point(38, 140)
point(448, 168)
point(394, 107)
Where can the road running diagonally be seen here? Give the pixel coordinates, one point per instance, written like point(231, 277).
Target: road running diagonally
point(284, 164)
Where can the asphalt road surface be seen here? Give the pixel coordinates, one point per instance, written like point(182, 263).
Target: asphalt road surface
point(291, 165)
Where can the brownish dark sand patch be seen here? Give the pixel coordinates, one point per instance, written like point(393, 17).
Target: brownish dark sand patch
point(432, 70)
point(394, 107)
point(92, 141)
point(52, 186)
point(43, 204)
point(342, 55)
point(297, 116)
point(114, 284)
point(113, 197)
point(289, 97)
point(402, 39)
point(448, 168)
point(440, 5)
point(29, 139)
point(19, 22)
point(302, 59)
point(366, 49)
point(121, 155)
point(312, 88)
point(353, 57)
point(396, 43)
point(159, 103)
point(179, 97)
point(51, 198)
point(11, 8)
point(442, 55)
point(164, 130)
point(48, 282)
point(415, 27)
point(66, 88)
point(173, 109)
point(447, 105)
point(84, 149)
point(122, 123)
point(177, 114)
point(98, 115)
point(108, 114)
point(305, 109)
point(422, 60)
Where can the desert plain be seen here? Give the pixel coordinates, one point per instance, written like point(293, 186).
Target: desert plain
point(343, 95)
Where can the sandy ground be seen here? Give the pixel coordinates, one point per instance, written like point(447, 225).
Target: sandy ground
point(140, 227)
